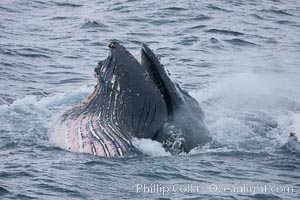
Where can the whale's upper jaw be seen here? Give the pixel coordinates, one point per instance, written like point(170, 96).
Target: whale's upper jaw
point(172, 93)
point(185, 117)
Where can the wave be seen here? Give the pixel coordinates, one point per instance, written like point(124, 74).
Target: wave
point(285, 22)
point(225, 32)
point(278, 12)
point(3, 190)
point(173, 8)
point(65, 4)
point(240, 42)
point(197, 27)
point(201, 18)
point(32, 52)
point(214, 7)
point(93, 24)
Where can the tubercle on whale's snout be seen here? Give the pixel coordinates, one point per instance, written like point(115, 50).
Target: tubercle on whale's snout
point(112, 44)
point(115, 44)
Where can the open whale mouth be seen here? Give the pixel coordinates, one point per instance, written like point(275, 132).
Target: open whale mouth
point(149, 67)
point(137, 90)
point(141, 98)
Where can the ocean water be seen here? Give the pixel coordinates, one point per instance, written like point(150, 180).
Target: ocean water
point(239, 59)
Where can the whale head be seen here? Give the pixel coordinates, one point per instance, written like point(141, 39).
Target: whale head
point(141, 99)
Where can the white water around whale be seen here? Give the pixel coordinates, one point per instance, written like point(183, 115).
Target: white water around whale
point(226, 105)
point(150, 147)
point(247, 108)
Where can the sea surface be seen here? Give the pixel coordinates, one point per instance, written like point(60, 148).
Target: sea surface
point(240, 59)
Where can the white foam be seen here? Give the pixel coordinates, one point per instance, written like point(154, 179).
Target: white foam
point(296, 124)
point(253, 90)
point(58, 98)
point(258, 95)
point(150, 147)
point(230, 131)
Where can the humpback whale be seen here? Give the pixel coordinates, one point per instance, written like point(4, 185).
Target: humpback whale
point(132, 99)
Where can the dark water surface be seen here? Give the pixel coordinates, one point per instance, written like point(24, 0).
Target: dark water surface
point(240, 59)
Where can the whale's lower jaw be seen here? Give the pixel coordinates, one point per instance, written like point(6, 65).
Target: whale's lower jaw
point(86, 133)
